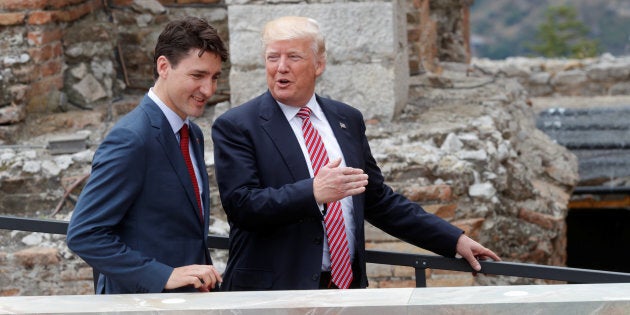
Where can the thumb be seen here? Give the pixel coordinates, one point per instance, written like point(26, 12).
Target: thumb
point(334, 163)
point(474, 263)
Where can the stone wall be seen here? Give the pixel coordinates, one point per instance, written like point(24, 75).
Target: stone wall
point(377, 63)
point(67, 54)
point(437, 30)
point(76, 54)
point(603, 75)
point(32, 62)
point(467, 149)
point(464, 145)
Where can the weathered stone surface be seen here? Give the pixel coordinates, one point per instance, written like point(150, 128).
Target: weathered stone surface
point(11, 115)
point(377, 63)
point(37, 256)
point(453, 120)
point(605, 75)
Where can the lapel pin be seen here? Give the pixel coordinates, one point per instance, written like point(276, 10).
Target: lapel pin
point(342, 125)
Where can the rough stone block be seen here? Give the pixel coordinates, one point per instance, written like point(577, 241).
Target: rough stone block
point(67, 144)
point(37, 256)
point(11, 18)
point(367, 61)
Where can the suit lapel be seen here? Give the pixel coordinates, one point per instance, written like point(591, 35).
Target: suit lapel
point(277, 127)
point(350, 145)
point(165, 136)
point(341, 127)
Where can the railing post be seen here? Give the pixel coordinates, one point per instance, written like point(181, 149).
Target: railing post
point(421, 266)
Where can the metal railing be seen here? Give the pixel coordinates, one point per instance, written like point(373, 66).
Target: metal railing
point(419, 262)
point(601, 190)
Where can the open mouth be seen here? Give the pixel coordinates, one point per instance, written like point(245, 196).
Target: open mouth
point(199, 99)
point(283, 82)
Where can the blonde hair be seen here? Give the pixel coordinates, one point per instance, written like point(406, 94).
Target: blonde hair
point(295, 27)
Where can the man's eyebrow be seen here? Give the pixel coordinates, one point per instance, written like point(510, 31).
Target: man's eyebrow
point(200, 71)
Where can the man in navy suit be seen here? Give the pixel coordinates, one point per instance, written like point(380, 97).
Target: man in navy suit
point(277, 204)
point(141, 222)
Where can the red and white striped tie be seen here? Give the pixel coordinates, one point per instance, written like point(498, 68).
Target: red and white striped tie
point(335, 228)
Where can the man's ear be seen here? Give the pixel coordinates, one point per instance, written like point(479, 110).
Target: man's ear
point(162, 66)
point(320, 66)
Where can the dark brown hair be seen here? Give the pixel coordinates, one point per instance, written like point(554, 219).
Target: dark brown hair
point(182, 35)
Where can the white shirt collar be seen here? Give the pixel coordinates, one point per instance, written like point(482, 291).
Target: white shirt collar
point(174, 120)
point(291, 111)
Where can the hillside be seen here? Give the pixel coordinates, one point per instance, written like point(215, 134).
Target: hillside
point(502, 28)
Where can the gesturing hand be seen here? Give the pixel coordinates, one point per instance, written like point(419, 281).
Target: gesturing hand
point(333, 183)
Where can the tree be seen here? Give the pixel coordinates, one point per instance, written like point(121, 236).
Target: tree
point(563, 35)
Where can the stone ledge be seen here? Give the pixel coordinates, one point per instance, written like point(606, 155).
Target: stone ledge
point(528, 299)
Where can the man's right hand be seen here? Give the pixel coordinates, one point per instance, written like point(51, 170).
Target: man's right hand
point(333, 183)
point(202, 277)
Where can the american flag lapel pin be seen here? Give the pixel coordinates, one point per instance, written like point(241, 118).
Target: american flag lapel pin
point(342, 125)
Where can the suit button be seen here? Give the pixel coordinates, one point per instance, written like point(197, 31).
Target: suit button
point(315, 276)
point(317, 241)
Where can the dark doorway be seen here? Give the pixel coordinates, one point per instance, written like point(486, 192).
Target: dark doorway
point(599, 239)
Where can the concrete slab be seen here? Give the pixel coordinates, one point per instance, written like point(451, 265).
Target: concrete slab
point(527, 299)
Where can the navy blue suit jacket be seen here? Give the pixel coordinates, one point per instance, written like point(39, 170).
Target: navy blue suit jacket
point(137, 217)
point(276, 231)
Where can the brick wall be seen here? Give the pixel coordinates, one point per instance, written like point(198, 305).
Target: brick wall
point(31, 33)
point(63, 54)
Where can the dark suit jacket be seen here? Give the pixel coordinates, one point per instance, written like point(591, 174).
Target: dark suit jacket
point(137, 217)
point(276, 231)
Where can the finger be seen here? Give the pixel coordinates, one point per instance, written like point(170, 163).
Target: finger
point(196, 282)
point(352, 171)
point(472, 261)
point(355, 191)
point(492, 255)
point(217, 275)
point(203, 289)
point(474, 264)
point(203, 285)
point(486, 253)
point(360, 181)
point(207, 280)
point(355, 184)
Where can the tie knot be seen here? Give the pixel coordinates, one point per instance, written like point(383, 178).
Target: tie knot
point(184, 129)
point(304, 113)
point(183, 132)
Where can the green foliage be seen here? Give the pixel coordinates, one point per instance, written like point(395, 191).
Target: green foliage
point(563, 35)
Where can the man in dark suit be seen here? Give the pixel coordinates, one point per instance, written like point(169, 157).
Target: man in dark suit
point(278, 198)
point(142, 219)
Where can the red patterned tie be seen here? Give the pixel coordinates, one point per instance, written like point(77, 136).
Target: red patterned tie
point(335, 228)
point(183, 146)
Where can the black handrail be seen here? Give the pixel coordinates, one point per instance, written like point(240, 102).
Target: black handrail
point(419, 262)
point(601, 190)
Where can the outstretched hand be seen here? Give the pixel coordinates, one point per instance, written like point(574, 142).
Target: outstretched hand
point(473, 252)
